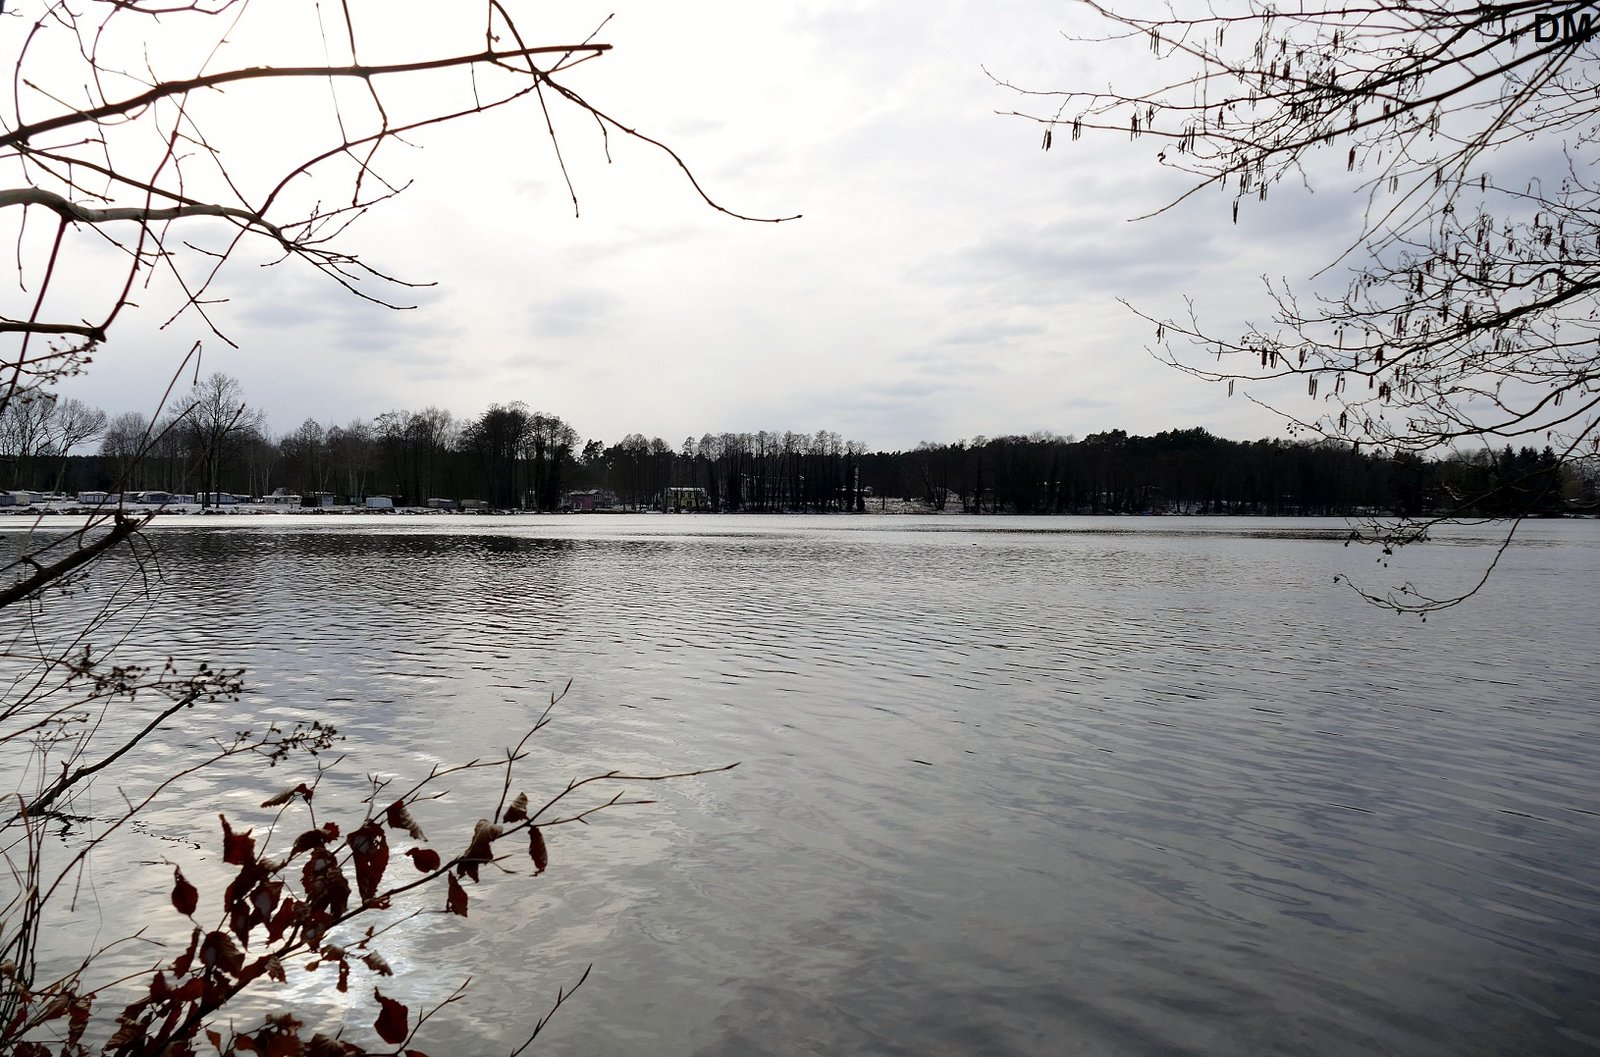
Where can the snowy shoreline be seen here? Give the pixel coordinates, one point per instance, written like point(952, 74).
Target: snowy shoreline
point(72, 508)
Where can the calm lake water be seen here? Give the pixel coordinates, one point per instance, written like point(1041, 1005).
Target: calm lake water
point(1006, 786)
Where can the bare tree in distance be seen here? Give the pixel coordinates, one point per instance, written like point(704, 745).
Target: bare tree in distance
point(74, 423)
point(350, 449)
point(138, 159)
point(37, 435)
point(218, 418)
point(1468, 320)
point(547, 447)
point(126, 437)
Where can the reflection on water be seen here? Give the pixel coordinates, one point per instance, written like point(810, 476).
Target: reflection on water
point(1008, 786)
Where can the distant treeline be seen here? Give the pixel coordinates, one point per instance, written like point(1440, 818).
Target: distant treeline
point(516, 458)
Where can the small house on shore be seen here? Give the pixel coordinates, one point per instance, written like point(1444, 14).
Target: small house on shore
point(589, 500)
point(682, 500)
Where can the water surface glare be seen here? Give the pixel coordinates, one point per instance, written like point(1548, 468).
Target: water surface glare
point(1006, 786)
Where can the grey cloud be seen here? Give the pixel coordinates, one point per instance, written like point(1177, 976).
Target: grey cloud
point(946, 365)
point(576, 313)
point(335, 317)
point(1076, 256)
point(995, 333)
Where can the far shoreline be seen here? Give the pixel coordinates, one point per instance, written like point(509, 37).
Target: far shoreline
point(899, 508)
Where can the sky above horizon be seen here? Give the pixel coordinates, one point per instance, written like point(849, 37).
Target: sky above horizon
point(947, 278)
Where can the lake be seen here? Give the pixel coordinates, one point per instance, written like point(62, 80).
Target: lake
point(1006, 785)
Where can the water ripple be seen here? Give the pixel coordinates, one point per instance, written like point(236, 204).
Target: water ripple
point(1009, 786)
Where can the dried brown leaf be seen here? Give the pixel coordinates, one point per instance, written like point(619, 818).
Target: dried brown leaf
point(315, 838)
point(128, 1031)
point(53, 1009)
point(218, 951)
point(480, 850)
point(323, 1046)
point(237, 848)
point(190, 989)
point(456, 901)
point(325, 884)
point(78, 1018)
point(391, 1022)
point(184, 896)
point(181, 963)
point(536, 848)
point(287, 795)
point(313, 922)
point(370, 850)
point(288, 913)
point(518, 809)
point(426, 859)
point(400, 818)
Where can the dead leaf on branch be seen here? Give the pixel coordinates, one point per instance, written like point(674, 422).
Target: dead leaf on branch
point(181, 964)
point(54, 1009)
point(391, 1022)
point(128, 1031)
point(190, 990)
point(370, 851)
point(218, 951)
point(237, 848)
point(325, 884)
point(456, 901)
point(426, 859)
point(322, 1046)
point(74, 1007)
point(400, 818)
point(288, 795)
point(252, 897)
point(518, 811)
point(315, 838)
point(185, 898)
point(479, 851)
point(78, 1017)
point(289, 911)
point(536, 848)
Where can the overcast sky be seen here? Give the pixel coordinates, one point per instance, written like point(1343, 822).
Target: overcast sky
point(948, 277)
